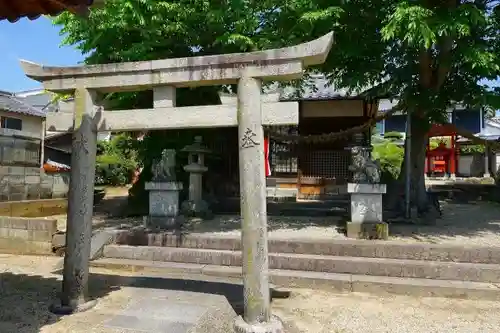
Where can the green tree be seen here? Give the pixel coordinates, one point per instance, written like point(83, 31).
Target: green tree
point(135, 30)
point(427, 54)
point(116, 160)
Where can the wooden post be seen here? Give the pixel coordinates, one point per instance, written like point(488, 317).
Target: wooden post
point(453, 160)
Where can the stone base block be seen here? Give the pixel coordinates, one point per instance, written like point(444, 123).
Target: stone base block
point(196, 209)
point(172, 311)
point(64, 310)
point(163, 222)
point(275, 325)
point(368, 230)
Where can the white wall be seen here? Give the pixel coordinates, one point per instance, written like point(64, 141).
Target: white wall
point(32, 126)
point(465, 165)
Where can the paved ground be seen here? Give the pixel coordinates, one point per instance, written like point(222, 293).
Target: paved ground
point(27, 288)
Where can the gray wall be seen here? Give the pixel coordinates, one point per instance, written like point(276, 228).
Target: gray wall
point(29, 183)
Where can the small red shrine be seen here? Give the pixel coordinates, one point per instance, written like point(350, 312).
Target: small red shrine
point(442, 159)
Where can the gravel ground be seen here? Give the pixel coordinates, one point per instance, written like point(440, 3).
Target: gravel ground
point(323, 312)
point(470, 224)
point(27, 289)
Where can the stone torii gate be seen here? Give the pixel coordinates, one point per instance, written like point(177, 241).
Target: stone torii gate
point(247, 70)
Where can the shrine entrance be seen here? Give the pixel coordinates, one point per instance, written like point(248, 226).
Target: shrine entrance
point(442, 160)
point(319, 169)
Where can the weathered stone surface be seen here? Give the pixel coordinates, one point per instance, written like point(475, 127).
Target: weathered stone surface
point(311, 262)
point(49, 225)
point(24, 247)
point(274, 325)
point(164, 203)
point(337, 247)
point(80, 206)
point(99, 240)
point(273, 114)
point(280, 64)
point(316, 280)
point(367, 230)
point(165, 311)
point(366, 202)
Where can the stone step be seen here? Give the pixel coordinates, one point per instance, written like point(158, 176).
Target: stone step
point(332, 247)
point(316, 263)
point(314, 280)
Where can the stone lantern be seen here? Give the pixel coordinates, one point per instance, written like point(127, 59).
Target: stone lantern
point(195, 206)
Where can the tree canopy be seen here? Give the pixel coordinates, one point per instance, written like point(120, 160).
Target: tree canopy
point(427, 54)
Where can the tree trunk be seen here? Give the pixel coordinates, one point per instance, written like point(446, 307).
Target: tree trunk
point(418, 195)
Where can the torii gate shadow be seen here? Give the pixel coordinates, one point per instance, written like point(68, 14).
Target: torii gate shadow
point(26, 298)
point(102, 284)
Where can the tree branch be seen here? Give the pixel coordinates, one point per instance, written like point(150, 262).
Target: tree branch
point(445, 47)
point(425, 68)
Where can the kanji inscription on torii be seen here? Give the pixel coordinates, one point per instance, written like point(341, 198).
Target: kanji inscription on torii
point(248, 139)
point(247, 70)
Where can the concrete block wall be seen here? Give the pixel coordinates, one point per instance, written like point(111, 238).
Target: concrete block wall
point(28, 183)
point(26, 235)
point(34, 208)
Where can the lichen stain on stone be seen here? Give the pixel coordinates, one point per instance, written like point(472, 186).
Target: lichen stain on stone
point(249, 260)
point(79, 106)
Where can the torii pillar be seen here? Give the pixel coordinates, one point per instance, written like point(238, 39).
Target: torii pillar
point(247, 70)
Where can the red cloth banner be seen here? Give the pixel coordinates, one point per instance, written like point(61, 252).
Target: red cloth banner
point(266, 157)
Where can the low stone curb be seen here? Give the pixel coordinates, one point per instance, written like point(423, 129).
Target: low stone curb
point(316, 263)
point(99, 240)
point(314, 280)
point(350, 248)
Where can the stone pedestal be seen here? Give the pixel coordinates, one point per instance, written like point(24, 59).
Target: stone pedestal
point(163, 204)
point(366, 211)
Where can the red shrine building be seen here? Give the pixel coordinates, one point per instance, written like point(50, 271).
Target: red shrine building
point(446, 159)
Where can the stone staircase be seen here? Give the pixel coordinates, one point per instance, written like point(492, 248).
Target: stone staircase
point(348, 265)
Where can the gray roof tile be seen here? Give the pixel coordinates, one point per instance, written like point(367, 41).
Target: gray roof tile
point(316, 87)
point(10, 103)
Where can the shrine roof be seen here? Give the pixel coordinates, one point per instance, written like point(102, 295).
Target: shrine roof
point(317, 87)
point(13, 10)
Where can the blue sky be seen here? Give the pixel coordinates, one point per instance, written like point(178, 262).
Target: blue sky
point(36, 41)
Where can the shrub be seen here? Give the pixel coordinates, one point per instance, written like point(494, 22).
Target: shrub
point(116, 161)
point(114, 170)
point(390, 157)
point(393, 135)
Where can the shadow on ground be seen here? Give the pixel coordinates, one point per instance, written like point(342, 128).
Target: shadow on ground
point(25, 299)
point(465, 214)
point(458, 220)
